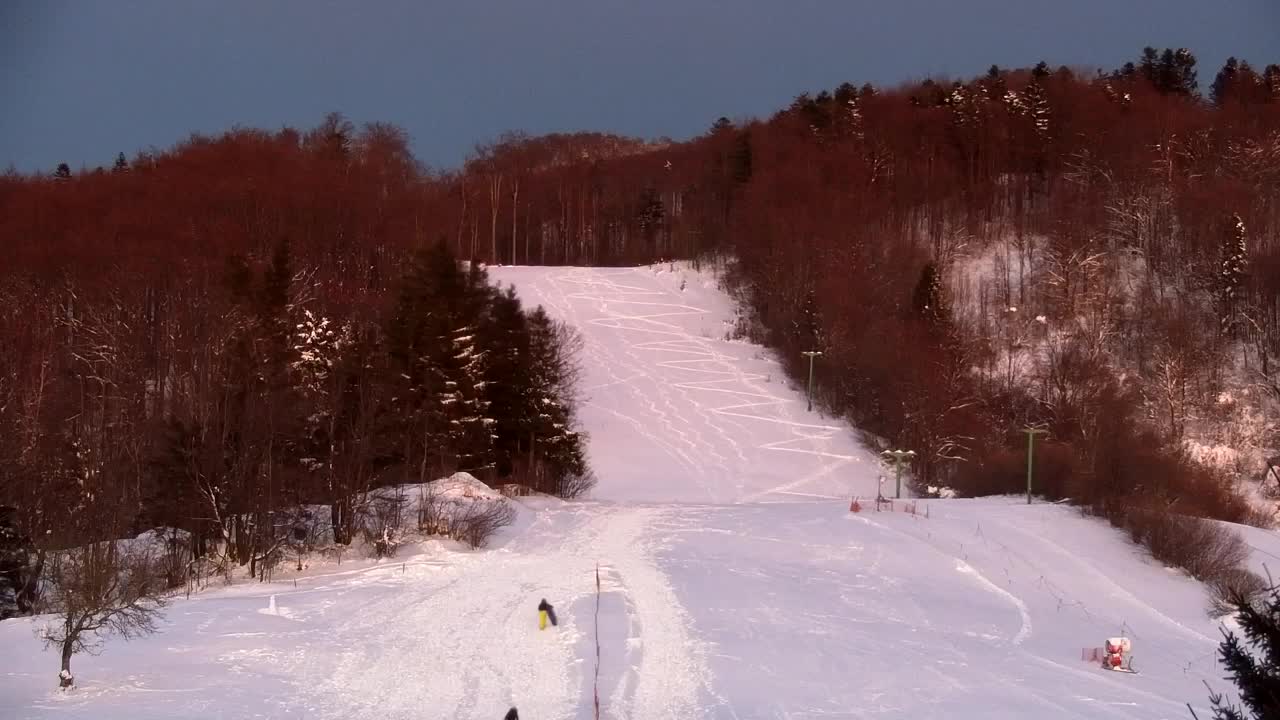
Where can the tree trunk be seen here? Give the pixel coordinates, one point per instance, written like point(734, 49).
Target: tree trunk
point(515, 213)
point(28, 593)
point(338, 520)
point(495, 197)
point(65, 679)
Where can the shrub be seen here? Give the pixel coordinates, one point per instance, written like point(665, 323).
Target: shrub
point(1230, 587)
point(476, 524)
point(1207, 550)
point(469, 520)
point(575, 485)
point(380, 519)
point(1004, 471)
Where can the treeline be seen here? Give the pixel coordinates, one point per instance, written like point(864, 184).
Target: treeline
point(1098, 256)
point(219, 398)
point(1092, 253)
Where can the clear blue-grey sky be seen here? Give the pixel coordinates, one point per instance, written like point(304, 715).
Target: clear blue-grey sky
point(82, 80)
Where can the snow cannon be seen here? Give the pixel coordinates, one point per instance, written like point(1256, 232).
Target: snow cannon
point(1114, 651)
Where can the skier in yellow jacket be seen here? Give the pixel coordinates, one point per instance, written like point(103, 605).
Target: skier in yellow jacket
point(546, 612)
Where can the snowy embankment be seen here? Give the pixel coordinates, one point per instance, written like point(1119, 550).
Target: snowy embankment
point(734, 581)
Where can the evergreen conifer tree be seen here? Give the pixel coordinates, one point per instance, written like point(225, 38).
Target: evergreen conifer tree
point(1254, 665)
point(508, 381)
point(1224, 81)
point(928, 300)
point(1234, 269)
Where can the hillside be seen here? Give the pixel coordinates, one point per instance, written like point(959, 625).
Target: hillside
point(1092, 253)
point(724, 593)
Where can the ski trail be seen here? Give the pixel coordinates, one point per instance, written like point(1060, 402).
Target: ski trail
point(600, 356)
point(471, 647)
point(1092, 572)
point(672, 670)
point(605, 294)
point(962, 566)
point(688, 397)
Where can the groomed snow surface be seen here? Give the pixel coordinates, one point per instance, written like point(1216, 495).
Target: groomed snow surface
point(734, 581)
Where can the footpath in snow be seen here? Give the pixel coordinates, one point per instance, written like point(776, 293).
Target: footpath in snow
point(439, 634)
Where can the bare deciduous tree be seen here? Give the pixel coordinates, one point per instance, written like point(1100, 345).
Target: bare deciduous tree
point(105, 588)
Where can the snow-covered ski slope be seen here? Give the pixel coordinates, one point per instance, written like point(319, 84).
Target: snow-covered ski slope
point(732, 586)
point(677, 413)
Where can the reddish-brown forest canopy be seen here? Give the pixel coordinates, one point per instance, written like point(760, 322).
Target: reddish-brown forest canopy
point(1143, 220)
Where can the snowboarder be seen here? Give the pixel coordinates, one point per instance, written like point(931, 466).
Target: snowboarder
point(546, 612)
point(511, 715)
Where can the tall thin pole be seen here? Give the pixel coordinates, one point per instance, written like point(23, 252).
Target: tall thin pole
point(596, 690)
point(1031, 449)
point(810, 383)
point(811, 354)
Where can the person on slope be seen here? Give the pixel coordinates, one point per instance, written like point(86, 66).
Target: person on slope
point(546, 612)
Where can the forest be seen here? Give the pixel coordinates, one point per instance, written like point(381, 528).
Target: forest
point(206, 336)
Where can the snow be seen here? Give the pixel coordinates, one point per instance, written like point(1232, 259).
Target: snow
point(678, 413)
point(734, 580)
point(461, 484)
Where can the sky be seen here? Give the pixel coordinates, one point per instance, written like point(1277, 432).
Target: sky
point(81, 80)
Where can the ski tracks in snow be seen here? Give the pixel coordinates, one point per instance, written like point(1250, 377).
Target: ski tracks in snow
point(703, 417)
point(470, 647)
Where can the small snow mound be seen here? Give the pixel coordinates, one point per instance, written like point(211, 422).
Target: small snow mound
point(463, 485)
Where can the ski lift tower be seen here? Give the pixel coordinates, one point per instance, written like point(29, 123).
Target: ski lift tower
point(898, 458)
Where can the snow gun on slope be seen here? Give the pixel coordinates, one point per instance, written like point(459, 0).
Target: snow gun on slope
point(1115, 655)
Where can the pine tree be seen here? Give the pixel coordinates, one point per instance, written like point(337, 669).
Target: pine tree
point(845, 93)
point(434, 351)
point(122, 165)
point(1174, 73)
point(508, 382)
point(557, 454)
point(466, 406)
point(1254, 666)
point(1271, 79)
point(418, 345)
point(807, 328)
point(1187, 82)
point(1224, 81)
point(650, 214)
point(994, 84)
point(1234, 270)
point(1038, 104)
point(1148, 66)
point(928, 300)
point(63, 172)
